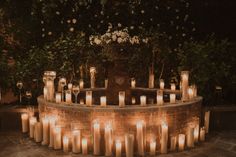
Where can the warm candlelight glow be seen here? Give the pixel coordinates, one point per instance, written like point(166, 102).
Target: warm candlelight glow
point(181, 142)
point(68, 96)
point(207, 121)
point(38, 132)
point(45, 122)
point(196, 133)
point(81, 83)
point(133, 100)
point(140, 137)
point(52, 123)
point(103, 101)
point(190, 93)
point(184, 84)
point(121, 99)
point(76, 139)
point(45, 92)
point(58, 97)
point(89, 98)
point(96, 138)
point(162, 84)
point(172, 86)
point(173, 142)
point(84, 146)
point(129, 145)
point(202, 134)
point(152, 147)
point(108, 139)
point(65, 144)
point(25, 122)
point(190, 137)
point(70, 85)
point(143, 100)
point(164, 137)
point(32, 122)
point(133, 83)
point(160, 98)
point(118, 148)
point(106, 83)
point(57, 137)
point(172, 98)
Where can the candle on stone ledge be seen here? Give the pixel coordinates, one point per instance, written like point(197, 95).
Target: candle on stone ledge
point(173, 142)
point(133, 100)
point(190, 137)
point(190, 93)
point(196, 133)
point(207, 121)
point(32, 122)
point(58, 97)
point(76, 139)
point(38, 132)
point(96, 138)
point(84, 146)
point(57, 137)
point(45, 122)
point(25, 122)
point(202, 134)
point(103, 101)
point(162, 84)
point(89, 98)
point(160, 98)
point(118, 148)
point(172, 98)
point(122, 99)
point(184, 84)
point(81, 83)
point(152, 147)
point(172, 86)
point(140, 138)
point(164, 138)
point(68, 96)
point(129, 145)
point(133, 83)
point(181, 142)
point(65, 144)
point(143, 100)
point(108, 139)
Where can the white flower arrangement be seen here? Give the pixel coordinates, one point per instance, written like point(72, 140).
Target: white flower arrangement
point(117, 37)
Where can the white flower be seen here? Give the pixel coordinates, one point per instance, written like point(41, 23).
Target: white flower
point(97, 41)
point(114, 37)
point(119, 40)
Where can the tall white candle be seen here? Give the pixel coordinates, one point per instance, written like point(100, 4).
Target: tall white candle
point(133, 82)
point(190, 137)
point(160, 98)
point(181, 142)
point(81, 83)
point(92, 76)
point(164, 138)
point(121, 98)
point(58, 97)
point(172, 98)
point(172, 86)
point(25, 122)
point(184, 85)
point(45, 123)
point(202, 134)
point(162, 84)
point(190, 93)
point(103, 101)
point(76, 139)
point(65, 144)
point(118, 148)
point(89, 98)
point(38, 132)
point(196, 133)
point(143, 100)
point(52, 123)
point(96, 138)
point(129, 145)
point(108, 140)
point(84, 146)
point(173, 142)
point(207, 121)
point(152, 147)
point(57, 138)
point(140, 138)
point(32, 122)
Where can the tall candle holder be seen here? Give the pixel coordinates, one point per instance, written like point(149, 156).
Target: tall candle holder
point(49, 80)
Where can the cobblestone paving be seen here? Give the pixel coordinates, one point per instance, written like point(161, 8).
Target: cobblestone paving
point(218, 144)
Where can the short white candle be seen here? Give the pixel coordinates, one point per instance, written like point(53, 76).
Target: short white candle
point(70, 85)
point(152, 147)
point(190, 137)
point(76, 139)
point(57, 137)
point(38, 132)
point(52, 123)
point(32, 122)
point(129, 145)
point(68, 96)
point(162, 84)
point(140, 138)
point(25, 122)
point(133, 100)
point(81, 83)
point(196, 133)
point(96, 138)
point(143, 100)
point(65, 144)
point(133, 82)
point(84, 146)
point(202, 134)
point(118, 148)
point(190, 93)
point(164, 137)
point(103, 101)
point(121, 99)
point(207, 121)
point(160, 98)
point(58, 97)
point(45, 92)
point(89, 98)
point(108, 140)
point(172, 98)
point(181, 142)
point(172, 86)
point(173, 142)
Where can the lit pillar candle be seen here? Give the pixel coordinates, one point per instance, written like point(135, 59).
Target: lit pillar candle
point(151, 81)
point(89, 98)
point(152, 147)
point(196, 133)
point(172, 87)
point(52, 123)
point(184, 84)
point(84, 146)
point(190, 93)
point(164, 138)
point(45, 92)
point(38, 132)
point(162, 84)
point(207, 120)
point(143, 100)
point(129, 145)
point(173, 141)
point(172, 98)
point(76, 139)
point(92, 76)
point(58, 97)
point(140, 138)
point(32, 122)
point(25, 122)
point(57, 137)
point(81, 83)
point(106, 83)
point(118, 148)
point(160, 98)
point(65, 144)
point(70, 85)
point(96, 138)
point(133, 82)
point(202, 134)
point(121, 99)
point(68, 96)
point(190, 137)
point(133, 100)
point(108, 140)
point(181, 142)
point(45, 123)
point(103, 101)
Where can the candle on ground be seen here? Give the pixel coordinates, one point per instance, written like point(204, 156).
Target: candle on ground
point(58, 97)
point(181, 142)
point(143, 100)
point(118, 148)
point(76, 138)
point(45, 123)
point(121, 99)
point(32, 122)
point(190, 137)
point(164, 137)
point(84, 146)
point(184, 84)
point(52, 123)
point(140, 138)
point(96, 138)
point(173, 142)
point(89, 98)
point(25, 122)
point(172, 86)
point(172, 98)
point(38, 132)
point(152, 147)
point(129, 145)
point(196, 133)
point(206, 121)
point(202, 134)
point(57, 137)
point(162, 84)
point(133, 82)
point(103, 101)
point(108, 140)
point(65, 144)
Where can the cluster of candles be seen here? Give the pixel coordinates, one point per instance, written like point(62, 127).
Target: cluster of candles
point(50, 133)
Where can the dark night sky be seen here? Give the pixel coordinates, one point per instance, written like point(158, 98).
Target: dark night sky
point(217, 16)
